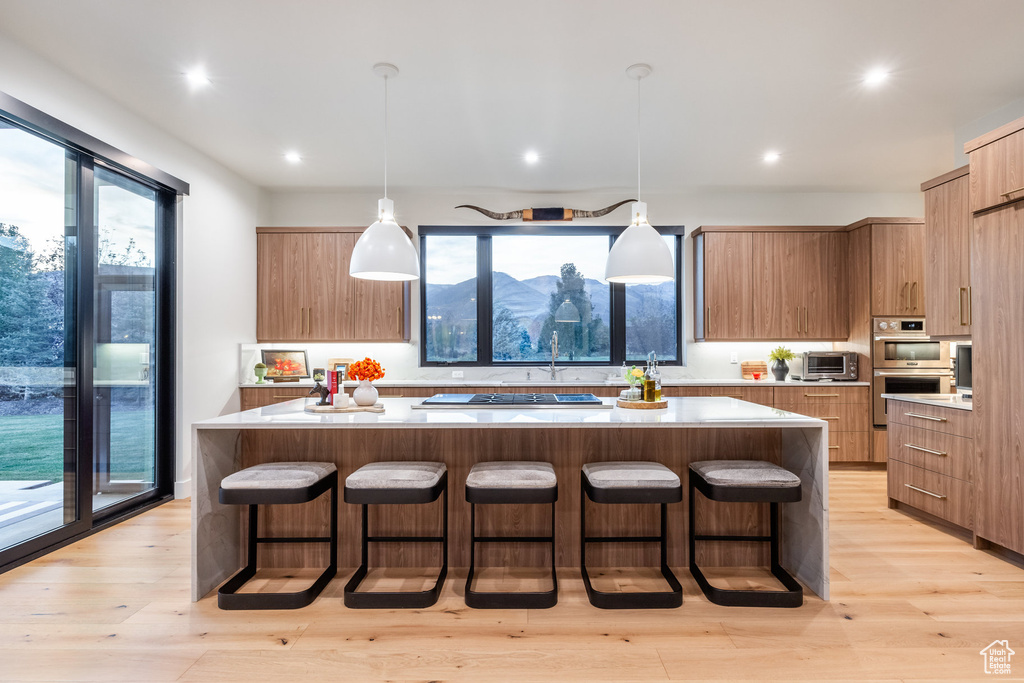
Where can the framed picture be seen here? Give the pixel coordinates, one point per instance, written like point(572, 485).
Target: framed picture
point(341, 366)
point(283, 364)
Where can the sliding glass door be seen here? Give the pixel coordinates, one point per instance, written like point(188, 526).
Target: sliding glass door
point(38, 408)
point(87, 334)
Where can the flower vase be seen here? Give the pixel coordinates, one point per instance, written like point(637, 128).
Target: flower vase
point(365, 394)
point(260, 374)
point(780, 369)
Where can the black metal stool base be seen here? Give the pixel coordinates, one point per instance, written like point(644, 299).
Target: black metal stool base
point(228, 597)
point(792, 596)
point(669, 599)
point(510, 599)
point(397, 599)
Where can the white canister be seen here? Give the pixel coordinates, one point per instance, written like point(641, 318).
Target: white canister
point(341, 400)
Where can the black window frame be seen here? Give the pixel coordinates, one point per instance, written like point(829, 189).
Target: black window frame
point(484, 290)
point(90, 153)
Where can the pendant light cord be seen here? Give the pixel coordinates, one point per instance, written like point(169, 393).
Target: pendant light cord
point(385, 137)
point(638, 138)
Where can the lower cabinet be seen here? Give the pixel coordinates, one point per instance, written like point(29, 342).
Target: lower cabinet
point(931, 461)
point(847, 411)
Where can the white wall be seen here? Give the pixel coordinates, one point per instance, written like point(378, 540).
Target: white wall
point(217, 248)
point(978, 127)
point(706, 207)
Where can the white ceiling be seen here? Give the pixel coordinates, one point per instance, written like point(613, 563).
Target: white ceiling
point(482, 82)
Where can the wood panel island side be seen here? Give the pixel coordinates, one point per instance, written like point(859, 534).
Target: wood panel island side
point(688, 430)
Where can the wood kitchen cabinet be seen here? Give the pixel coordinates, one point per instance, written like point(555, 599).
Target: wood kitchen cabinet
point(846, 409)
point(897, 269)
point(947, 261)
point(770, 284)
point(997, 166)
point(723, 286)
point(800, 286)
point(304, 291)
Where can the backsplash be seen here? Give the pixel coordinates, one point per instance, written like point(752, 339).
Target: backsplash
point(704, 360)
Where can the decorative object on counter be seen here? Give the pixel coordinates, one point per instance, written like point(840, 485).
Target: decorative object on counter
point(652, 379)
point(285, 366)
point(748, 368)
point(639, 254)
point(340, 400)
point(780, 368)
point(325, 392)
point(641, 405)
point(365, 371)
point(350, 408)
point(318, 375)
point(340, 365)
point(546, 215)
point(384, 251)
point(261, 371)
point(634, 376)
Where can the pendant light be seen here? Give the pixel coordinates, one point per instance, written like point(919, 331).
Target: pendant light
point(384, 251)
point(639, 255)
point(567, 312)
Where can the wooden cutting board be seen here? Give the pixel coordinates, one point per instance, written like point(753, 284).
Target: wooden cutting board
point(352, 408)
point(748, 367)
point(641, 405)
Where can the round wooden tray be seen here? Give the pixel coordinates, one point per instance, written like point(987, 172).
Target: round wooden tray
point(352, 408)
point(641, 405)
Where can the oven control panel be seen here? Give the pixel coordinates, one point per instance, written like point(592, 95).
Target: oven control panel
point(899, 327)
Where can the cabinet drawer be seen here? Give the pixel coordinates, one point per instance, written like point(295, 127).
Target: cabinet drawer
point(841, 417)
point(822, 395)
point(849, 446)
point(945, 497)
point(946, 454)
point(762, 395)
point(934, 418)
point(251, 397)
point(682, 391)
point(997, 172)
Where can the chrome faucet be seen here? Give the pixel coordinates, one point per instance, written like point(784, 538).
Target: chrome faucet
point(554, 353)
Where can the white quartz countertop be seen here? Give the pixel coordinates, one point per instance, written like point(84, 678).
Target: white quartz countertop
point(940, 400)
point(568, 383)
point(696, 412)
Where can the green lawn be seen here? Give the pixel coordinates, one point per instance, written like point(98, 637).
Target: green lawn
point(32, 446)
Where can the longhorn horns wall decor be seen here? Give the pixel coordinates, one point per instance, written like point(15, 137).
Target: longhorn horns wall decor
point(552, 214)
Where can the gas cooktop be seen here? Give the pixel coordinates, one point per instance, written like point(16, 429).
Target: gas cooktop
point(512, 401)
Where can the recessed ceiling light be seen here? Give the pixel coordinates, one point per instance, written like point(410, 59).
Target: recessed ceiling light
point(771, 157)
point(876, 76)
point(197, 77)
point(531, 157)
point(292, 157)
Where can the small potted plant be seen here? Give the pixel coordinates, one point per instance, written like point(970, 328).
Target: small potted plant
point(261, 371)
point(634, 376)
point(780, 368)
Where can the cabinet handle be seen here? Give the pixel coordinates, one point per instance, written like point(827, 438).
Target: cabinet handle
point(1007, 194)
point(927, 417)
point(302, 321)
point(833, 448)
point(398, 318)
point(277, 396)
point(970, 307)
point(828, 418)
point(707, 321)
point(821, 395)
point(927, 493)
point(309, 321)
point(913, 294)
point(924, 450)
point(960, 308)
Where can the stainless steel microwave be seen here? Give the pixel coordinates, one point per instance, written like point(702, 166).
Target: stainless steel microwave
point(836, 365)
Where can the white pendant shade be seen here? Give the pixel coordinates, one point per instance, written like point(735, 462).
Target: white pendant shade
point(640, 255)
point(384, 251)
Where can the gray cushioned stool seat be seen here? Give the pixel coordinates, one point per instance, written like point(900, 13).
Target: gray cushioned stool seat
point(396, 475)
point(515, 474)
point(745, 473)
point(603, 475)
point(278, 475)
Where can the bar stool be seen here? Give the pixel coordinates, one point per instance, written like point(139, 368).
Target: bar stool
point(278, 483)
point(745, 481)
point(630, 482)
point(496, 483)
point(396, 483)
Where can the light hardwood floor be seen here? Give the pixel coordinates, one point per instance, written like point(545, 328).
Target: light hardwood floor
point(909, 602)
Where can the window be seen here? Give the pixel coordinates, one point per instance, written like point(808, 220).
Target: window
point(86, 333)
point(501, 296)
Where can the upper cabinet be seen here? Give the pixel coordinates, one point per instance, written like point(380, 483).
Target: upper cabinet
point(897, 269)
point(770, 284)
point(304, 291)
point(947, 262)
point(723, 286)
point(997, 166)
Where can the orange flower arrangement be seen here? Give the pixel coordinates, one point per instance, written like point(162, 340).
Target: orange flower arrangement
point(367, 368)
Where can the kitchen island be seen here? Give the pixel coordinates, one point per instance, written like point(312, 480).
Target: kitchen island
point(689, 429)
